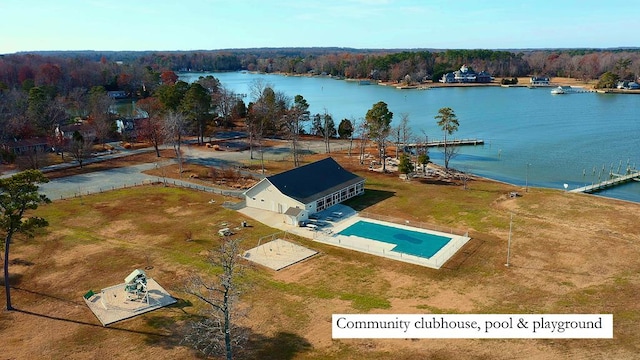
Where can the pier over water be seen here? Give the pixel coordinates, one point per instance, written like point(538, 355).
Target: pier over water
point(452, 142)
point(616, 180)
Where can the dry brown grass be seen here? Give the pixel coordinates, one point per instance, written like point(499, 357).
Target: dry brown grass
point(224, 178)
point(571, 253)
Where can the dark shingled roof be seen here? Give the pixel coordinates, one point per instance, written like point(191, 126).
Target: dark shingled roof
point(312, 181)
point(293, 211)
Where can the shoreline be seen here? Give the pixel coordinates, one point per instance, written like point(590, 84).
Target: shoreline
point(522, 82)
point(473, 175)
point(627, 193)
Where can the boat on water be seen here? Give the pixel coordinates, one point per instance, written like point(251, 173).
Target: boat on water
point(561, 90)
point(570, 90)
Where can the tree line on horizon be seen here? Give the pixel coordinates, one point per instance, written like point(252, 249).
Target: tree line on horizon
point(124, 70)
point(39, 91)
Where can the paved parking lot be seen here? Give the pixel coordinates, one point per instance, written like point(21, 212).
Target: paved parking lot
point(78, 185)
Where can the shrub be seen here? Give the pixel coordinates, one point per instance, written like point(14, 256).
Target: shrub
point(512, 81)
point(213, 173)
point(8, 157)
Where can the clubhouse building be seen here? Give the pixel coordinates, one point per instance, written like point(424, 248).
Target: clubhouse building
point(305, 190)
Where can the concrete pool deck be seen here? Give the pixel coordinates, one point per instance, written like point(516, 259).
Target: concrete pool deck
point(329, 234)
point(277, 221)
point(387, 250)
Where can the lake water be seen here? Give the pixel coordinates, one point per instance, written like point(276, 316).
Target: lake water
point(531, 137)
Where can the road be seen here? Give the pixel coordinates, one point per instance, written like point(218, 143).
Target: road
point(95, 182)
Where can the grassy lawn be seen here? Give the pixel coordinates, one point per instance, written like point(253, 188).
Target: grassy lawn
point(571, 253)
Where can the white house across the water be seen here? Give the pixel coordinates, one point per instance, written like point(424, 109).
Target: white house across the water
point(466, 75)
point(305, 190)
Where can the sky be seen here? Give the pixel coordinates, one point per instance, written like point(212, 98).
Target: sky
point(101, 25)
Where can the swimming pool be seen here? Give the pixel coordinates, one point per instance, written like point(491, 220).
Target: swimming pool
point(407, 241)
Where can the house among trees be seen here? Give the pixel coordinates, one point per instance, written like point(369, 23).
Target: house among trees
point(630, 85)
point(539, 81)
point(128, 127)
point(305, 190)
point(87, 130)
point(25, 146)
point(117, 94)
point(466, 75)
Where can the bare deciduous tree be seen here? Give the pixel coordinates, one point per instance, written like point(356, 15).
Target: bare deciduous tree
point(174, 126)
point(590, 64)
point(78, 102)
point(151, 129)
point(224, 101)
point(80, 147)
point(13, 103)
point(405, 129)
point(537, 61)
point(257, 111)
point(55, 113)
point(217, 332)
point(363, 136)
point(34, 158)
point(100, 104)
point(328, 130)
point(402, 132)
point(294, 121)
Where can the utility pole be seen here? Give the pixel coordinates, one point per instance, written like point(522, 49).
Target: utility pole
point(509, 242)
point(527, 179)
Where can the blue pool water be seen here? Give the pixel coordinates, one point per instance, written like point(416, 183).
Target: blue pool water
point(407, 241)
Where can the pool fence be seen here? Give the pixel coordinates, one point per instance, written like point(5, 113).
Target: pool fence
point(165, 182)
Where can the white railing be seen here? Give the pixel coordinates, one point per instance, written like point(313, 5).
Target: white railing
point(167, 182)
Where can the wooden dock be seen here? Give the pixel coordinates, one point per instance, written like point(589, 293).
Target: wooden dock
point(617, 180)
point(454, 142)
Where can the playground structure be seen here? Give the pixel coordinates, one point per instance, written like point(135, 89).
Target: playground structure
point(138, 294)
point(135, 285)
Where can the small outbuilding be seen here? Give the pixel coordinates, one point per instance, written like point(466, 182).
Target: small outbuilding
point(305, 190)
